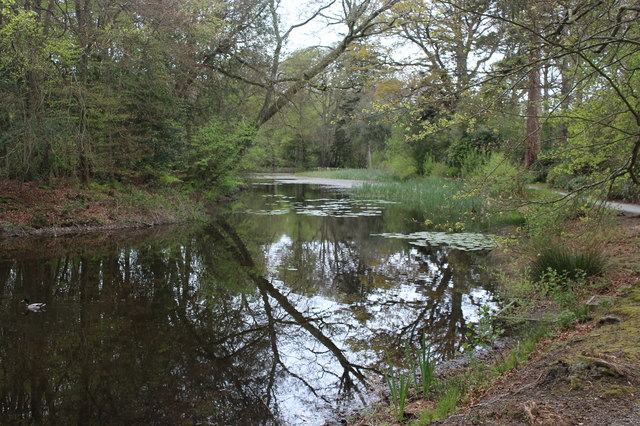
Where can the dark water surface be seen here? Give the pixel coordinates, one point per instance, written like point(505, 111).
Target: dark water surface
point(275, 313)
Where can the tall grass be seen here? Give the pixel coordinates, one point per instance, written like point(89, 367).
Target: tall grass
point(425, 363)
point(354, 174)
point(568, 262)
point(442, 202)
point(427, 367)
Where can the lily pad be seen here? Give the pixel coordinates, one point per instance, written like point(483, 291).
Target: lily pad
point(466, 241)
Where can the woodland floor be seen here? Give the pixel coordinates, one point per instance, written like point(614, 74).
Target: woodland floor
point(30, 209)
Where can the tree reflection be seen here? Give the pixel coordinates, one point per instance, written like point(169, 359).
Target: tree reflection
point(232, 324)
point(125, 341)
point(190, 332)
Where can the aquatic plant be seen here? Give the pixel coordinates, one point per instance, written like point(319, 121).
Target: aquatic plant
point(462, 240)
point(399, 388)
point(442, 204)
point(427, 365)
point(354, 174)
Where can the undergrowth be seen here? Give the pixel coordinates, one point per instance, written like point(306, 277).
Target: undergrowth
point(571, 262)
point(455, 389)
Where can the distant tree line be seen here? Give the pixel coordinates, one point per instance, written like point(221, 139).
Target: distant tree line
point(197, 90)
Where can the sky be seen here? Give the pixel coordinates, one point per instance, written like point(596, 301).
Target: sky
point(313, 34)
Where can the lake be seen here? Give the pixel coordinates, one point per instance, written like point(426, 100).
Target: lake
point(283, 309)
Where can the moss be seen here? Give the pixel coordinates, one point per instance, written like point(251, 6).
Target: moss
point(615, 390)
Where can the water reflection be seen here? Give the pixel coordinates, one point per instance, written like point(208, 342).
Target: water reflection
point(252, 319)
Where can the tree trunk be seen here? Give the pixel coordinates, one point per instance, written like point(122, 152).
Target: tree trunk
point(532, 139)
point(565, 99)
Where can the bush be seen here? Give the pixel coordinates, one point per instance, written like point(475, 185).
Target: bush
point(498, 177)
point(472, 162)
point(625, 189)
point(441, 170)
point(216, 154)
point(403, 166)
point(567, 262)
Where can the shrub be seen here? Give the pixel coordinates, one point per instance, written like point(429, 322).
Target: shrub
point(498, 177)
point(428, 165)
point(441, 170)
point(215, 155)
point(403, 166)
point(625, 189)
point(472, 162)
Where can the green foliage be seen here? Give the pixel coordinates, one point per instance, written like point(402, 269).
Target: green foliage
point(624, 189)
point(436, 200)
point(403, 166)
point(353, 174)
point(398, 156)
point(484, 333)
point(441, 170)
point(525, 346)
point(498, 178)
point(423, 363)
point(166, 205)
point(428, 165)
point(455, 387)
point(562, 288)
point(399, 388)
point(571, 263)
point(215, 155)
point(472, 162)
point(427, 365)
point(445, 406)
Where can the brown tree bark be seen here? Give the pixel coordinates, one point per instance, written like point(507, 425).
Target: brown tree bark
point(532, 139)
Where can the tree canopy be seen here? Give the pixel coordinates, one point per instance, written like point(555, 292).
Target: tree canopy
point(195, 90)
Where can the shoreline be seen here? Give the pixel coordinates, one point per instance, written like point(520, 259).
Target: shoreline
point(27, 209)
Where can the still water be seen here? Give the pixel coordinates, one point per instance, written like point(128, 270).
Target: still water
point(282, 310)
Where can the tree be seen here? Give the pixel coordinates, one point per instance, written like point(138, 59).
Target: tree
point(360, 19)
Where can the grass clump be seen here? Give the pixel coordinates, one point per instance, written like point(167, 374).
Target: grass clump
point(520, 353)
point(570, 262)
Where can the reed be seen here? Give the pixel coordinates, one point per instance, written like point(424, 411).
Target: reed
point(427, 365)
point(569, 262)
point(443, 203)
point(353, 174)
point(399, 388)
